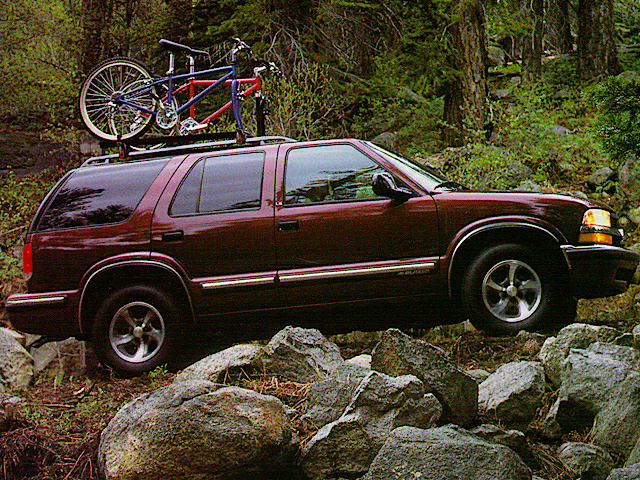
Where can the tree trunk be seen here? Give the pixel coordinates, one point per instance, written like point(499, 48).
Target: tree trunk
point(95, 14)
point(466, 91)
point(597, 53)
point(558, 26)
point(532, 44)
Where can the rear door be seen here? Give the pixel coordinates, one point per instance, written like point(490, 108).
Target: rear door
point(339, 242)
point(215, 219)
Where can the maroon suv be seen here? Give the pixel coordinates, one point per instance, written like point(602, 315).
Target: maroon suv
point(128, 254)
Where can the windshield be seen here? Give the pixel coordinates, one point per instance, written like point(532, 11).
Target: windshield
point(428, 178)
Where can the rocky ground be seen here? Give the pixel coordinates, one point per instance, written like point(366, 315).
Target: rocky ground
point(54, 430)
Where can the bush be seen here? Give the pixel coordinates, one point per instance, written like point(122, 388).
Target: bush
point(617, 125)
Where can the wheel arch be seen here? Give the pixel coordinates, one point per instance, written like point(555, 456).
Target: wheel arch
point(472, 243)
point(116, 276)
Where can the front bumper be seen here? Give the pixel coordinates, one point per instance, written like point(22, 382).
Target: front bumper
point(599, 270)
point(54, 313)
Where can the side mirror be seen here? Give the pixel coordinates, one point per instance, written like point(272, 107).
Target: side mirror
point(385, 186)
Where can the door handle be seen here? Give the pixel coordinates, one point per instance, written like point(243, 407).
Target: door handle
point(175, 236)
point(288, 225)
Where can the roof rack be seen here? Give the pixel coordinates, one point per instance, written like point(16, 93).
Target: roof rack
point(176, 150)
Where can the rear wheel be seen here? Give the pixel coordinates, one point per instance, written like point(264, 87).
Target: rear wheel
point(100, 110)
point(135, 329)
point(508, 288)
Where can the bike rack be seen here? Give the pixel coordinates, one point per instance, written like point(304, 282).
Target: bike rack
point(184, 146)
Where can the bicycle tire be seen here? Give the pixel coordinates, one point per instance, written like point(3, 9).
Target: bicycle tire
point(100, 115)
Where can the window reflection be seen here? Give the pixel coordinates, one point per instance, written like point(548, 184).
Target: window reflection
point(332, 173)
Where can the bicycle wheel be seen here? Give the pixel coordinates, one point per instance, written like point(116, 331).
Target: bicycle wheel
point(101, 115)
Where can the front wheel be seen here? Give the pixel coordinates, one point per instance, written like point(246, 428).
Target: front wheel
point(135, 329)
point(508, 288)
point(101, 109)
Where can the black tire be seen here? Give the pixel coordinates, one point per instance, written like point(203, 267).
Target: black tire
point(508, 288)
point(135, 330)
point(100, 115)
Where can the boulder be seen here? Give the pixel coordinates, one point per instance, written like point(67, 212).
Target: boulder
point(216, 367)
point(590, 377)
point(478, 375)
point(326, 401)
point(600, 178)
point(301, 355)
point(632, 472)
point(514, 392)
point(514, 439)
point(347, 446)
point(16, 364)
point(629, 176)
point(555, 350)
point(587, 461)
point(363, 361)
point(399, 354)
point(617, 425)
point(444, 453)
point(195, 430)
point(69, 355)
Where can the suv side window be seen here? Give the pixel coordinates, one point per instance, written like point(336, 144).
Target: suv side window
point(220, 184)
point(328, 173)
point(100, 195)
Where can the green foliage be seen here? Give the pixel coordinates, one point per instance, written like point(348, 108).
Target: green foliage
point(305, 105)
point(617, 126)
point(37, 65)
point(528, 129)
point(627, 13)
point(561, 70)
point(19, 200)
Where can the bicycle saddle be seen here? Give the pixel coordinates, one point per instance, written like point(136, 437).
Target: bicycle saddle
point(174, 47)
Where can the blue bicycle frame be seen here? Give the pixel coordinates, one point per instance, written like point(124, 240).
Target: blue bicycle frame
point(229, 73)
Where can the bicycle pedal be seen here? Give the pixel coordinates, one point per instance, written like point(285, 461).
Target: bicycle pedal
point(196, 128)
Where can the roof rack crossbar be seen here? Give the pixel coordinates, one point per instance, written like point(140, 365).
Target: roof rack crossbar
point(216, 145)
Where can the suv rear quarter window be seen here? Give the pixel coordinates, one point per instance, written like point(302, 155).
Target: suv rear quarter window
point(99, 195)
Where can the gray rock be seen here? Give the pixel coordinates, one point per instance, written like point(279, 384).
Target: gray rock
point(399, 354)
point(495, 56)
point(445, 453)
point(363, 361)
point(555, 350)
point(326, 401)
point(590, 378)
point(631, 472)
point(16, 365)
point(478, 375)
point(514, 173)
point(588, 461)
point(217, 366)
point(529, 186)
point(600, 178)
point(68, 355)
point(195, 430)
point(514, 439)
point(634, 456)
point(301, 355)
point(617, 425)
point(514, 392)
point(629, 176)
point(380, 404)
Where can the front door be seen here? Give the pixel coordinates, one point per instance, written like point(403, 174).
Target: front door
point(337, 241)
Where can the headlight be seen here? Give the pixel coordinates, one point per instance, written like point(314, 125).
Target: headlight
point(596, 227)
point(596, 218)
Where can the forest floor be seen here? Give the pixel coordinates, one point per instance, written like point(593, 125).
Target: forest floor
point(54, 431)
